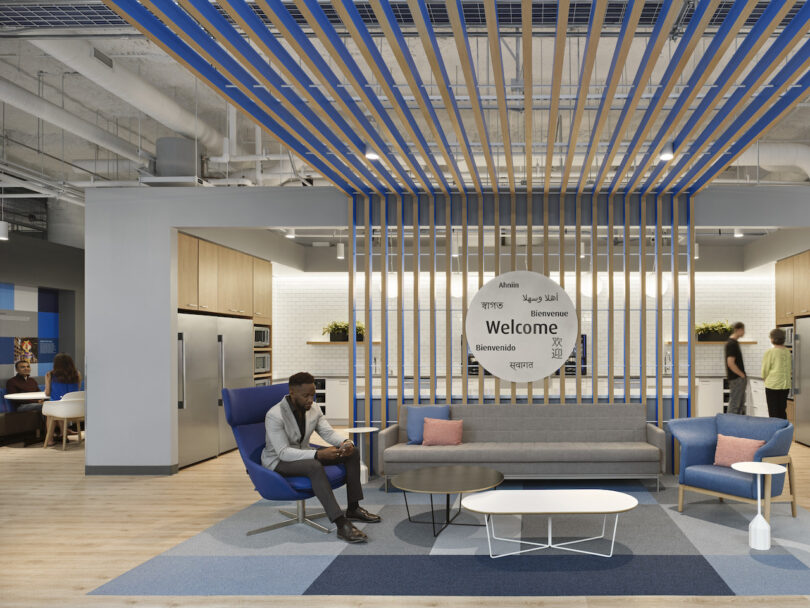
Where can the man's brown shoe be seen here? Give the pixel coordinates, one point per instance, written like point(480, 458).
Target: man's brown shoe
point(360, 514)
point(351, 534)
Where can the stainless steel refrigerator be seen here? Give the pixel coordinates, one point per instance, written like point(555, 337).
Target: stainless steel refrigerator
point(801, 379)
point(213, 352)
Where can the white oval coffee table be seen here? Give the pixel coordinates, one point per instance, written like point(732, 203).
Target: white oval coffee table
point(759, 530)
point(549, 502)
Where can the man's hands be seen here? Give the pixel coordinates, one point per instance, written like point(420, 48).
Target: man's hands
point(335, 454)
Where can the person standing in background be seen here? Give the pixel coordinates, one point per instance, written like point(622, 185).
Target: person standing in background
point(735, 370)
point(776, 372)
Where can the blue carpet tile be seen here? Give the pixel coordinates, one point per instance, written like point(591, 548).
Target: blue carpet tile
point(658, 551)
point(541, 575)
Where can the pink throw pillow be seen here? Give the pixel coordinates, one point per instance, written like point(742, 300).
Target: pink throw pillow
point(441, 432)
point(735, 449)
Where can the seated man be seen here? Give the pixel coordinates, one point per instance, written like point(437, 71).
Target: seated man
point(289, 425)
point(24, 383)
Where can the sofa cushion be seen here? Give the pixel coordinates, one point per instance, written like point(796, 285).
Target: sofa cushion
point(442, 432)
point(416, 419)
point(493, 452)
point(735, 449)
point(720, 479)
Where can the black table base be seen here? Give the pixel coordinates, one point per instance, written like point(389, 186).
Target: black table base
point(448, 520)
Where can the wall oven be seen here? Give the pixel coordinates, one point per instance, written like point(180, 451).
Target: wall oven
point(261, 363)
point(261, 336)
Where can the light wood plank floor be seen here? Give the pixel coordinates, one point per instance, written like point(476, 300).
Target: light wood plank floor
point(63, 534)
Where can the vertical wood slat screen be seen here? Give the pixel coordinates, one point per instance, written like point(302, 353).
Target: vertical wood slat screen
point(624, 246)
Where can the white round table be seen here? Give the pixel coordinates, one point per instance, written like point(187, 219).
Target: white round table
point(33, 396)
point(759, 530)
point(360, 430)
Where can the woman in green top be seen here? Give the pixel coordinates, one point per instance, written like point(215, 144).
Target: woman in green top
point(776, 372)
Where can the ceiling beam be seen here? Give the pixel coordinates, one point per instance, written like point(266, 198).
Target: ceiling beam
point(137, 16)
point(597, 19)
point(556, 81)
point(434, 57)
point(770, 19)
point(619, 58)
point(401, 52)
point(496, 57)
point(353, 22)
point(454, 11)
point(344, 142)
point(337, 50)
point(720, 42)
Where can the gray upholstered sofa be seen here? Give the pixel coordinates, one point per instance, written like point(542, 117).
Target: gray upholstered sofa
point(538, 442)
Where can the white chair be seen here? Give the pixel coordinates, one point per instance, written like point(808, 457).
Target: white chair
point(68, 409)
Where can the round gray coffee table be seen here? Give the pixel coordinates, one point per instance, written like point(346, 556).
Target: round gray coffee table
point(446, 479)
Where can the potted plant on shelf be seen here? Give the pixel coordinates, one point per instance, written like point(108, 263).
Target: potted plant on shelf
point(714, 331)
point(339, 331)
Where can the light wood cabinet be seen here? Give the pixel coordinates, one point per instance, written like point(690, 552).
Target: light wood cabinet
point(187, 272)
point(262, 291)
point(235, 282)
point(208, 277)
point(784, 291)
point(801, 284)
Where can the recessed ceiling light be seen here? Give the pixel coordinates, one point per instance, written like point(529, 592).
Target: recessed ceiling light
point(370, 153)
point(667, 153)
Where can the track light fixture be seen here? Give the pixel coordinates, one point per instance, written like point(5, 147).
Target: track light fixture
point(341, 251)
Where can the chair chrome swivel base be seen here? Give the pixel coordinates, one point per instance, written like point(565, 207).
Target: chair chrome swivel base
point(299, 517)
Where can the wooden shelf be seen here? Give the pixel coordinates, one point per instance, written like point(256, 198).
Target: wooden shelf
point(705, 343)
point(336, 343)
point(263, 375)
point(262, 349)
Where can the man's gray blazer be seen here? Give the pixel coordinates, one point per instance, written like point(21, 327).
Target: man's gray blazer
point(283, 440)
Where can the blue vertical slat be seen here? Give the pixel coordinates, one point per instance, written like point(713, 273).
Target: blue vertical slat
point(353, 311)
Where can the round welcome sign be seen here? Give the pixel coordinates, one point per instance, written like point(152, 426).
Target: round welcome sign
point(521, 326)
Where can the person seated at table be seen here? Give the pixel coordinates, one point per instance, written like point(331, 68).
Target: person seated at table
point(62, 379)
point(23, 382)
point(289, 426)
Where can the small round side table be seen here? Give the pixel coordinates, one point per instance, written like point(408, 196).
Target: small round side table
point(759, 530)
point(360, 430)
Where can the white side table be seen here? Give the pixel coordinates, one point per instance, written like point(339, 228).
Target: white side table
point(759, 530)
point(359, 430)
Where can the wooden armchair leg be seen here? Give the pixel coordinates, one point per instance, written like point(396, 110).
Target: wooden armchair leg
point(680, 499)
point(48, 431)
point(792, 484)
point(767, 508)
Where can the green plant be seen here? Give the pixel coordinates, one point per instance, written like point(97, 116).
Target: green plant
point(336, 327)
point(719, 327)
point(343, 327)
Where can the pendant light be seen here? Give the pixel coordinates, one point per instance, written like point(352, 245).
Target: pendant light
point(4, 226)
point(341, 251)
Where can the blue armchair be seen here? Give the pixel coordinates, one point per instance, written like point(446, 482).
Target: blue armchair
point(245, 409)
point(698, 442)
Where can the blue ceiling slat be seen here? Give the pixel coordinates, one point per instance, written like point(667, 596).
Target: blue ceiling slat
point(691, 30)
point(594, 145)
point(581, 94)
point(357, 20)
point(193, 30)
point(280, 11)
point(767, 16)
point(476, 91)
point(357, 73)
point(443, 69)
point(770, 56)
point(697, 73)
point(280, 54)
point(795, 93)
point(797, 63)
point(647, 57)
point(406, 53)
point(157, 29)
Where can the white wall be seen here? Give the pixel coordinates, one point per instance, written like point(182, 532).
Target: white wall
point(130, 249)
